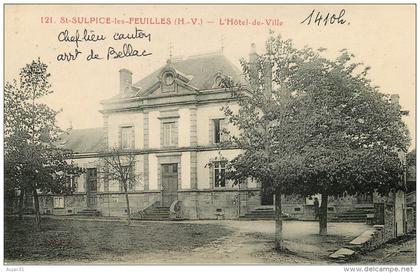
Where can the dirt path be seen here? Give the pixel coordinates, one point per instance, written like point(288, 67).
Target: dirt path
point(250, 243)
point(235, 248)
point(232, 242)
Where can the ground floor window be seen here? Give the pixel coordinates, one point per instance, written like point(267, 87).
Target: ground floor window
point(59, 202)
point(128, 172)
point(219, 174)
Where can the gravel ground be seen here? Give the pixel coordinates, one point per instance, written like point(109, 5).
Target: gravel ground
point(76, 241)
point(110, 241)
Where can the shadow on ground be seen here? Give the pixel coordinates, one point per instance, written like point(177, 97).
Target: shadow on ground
point(105, 241)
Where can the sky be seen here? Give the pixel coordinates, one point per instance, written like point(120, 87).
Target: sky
point(381, 36)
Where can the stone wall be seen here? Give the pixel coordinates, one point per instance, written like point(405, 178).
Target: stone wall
point(110, 204)
point(411, 211)
point(228, 203)
point(221, 204)
point(411, 220)
point(296, 206)
point(389, 220)
point(196, 204)
point(382, 233)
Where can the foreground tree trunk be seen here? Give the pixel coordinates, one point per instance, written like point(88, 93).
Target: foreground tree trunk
point(278, 235)
point(21, 199)
point(128, 207)
point(323, 215)
point(37, 213)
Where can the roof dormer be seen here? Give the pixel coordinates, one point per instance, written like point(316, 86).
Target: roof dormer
point(221, 81)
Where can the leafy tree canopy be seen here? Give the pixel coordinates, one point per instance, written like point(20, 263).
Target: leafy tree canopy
point(33, 160)
point(315, 125)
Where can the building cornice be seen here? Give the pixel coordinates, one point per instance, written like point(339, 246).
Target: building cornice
point(157, 151)
point(142, 103)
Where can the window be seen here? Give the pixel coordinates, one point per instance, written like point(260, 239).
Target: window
point(127, 137)
point(92, 179)
point(71, 182)
point(128, 171)
point(169, 169)
point(168, 78)
point(217, 130)
point(169, 134)
point(219, 174)
point(59, 202)
point(218, 81)
point(168, 82)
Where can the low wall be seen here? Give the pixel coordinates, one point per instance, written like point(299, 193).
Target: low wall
point(110, 204)
point(385, 232)
point(218, 204)
point(197, 204)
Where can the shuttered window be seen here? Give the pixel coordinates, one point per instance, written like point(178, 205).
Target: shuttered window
point(217, 126)
point(127, 137)
point(58, 202)
point(169, 134)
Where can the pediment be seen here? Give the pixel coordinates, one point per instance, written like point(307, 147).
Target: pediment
point(170, 82)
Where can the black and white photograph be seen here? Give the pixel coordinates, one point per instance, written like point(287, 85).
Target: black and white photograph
point(209, 134)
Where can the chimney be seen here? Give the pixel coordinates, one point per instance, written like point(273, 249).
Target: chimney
point(253, 53)
point(253, 67)
point(126, 80)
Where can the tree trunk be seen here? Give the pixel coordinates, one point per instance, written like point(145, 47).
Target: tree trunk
point(37, 213)
point(278, 236)
point(21, 199)
point(128, 207)
point(323, 215)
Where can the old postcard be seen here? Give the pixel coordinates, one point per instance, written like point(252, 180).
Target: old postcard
point(210, 134)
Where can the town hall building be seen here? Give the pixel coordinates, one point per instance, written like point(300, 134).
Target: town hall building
point(172, 121)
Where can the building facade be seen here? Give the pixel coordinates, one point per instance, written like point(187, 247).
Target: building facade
point(172, 121)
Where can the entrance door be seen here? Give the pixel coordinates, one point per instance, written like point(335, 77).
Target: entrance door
point(169, 184)
point(92, 187)
point(267, 197)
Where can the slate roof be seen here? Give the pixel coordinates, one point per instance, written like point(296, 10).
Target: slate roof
point(201, 69)
point(83, 140)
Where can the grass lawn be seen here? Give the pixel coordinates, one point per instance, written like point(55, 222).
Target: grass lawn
point(75, 240)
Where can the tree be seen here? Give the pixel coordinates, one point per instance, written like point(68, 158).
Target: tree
point(33, 162)
point(411, 170)
point(311, 125)
point(262, 107)
point(411, 158)
point(350, 133)
point(119, 165)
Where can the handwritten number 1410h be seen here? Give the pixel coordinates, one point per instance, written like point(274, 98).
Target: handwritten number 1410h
point(320, 19)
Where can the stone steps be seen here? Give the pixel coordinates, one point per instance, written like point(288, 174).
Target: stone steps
point(357, 215)
point(155, 214)
point(264, 213)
